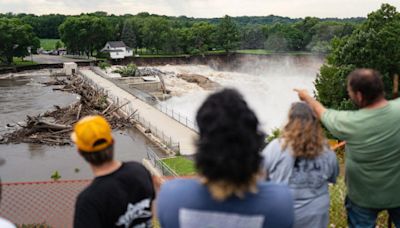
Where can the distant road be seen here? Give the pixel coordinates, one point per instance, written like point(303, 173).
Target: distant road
point(45, 59)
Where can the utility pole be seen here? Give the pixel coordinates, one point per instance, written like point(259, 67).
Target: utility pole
point(30, 52)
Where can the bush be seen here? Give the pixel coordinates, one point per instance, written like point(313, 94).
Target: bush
point(104, 65)
point(276, 133)
point(127, 71)
point(102, 55)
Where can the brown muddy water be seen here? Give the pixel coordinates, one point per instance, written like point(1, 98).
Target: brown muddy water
point(24, 95)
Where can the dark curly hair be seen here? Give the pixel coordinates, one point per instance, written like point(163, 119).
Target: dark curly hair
point(228, 149)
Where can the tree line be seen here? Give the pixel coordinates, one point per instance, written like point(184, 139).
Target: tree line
point(350, 43)
point(374, 44)
point(87, 33)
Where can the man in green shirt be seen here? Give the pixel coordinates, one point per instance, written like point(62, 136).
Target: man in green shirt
point(372, 153)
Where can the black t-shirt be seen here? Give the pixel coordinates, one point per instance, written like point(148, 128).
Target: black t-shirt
point(120, 199)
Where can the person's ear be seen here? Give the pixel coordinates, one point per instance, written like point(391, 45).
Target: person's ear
point(360, 98)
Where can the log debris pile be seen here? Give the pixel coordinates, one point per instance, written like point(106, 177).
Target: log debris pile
point(55, 127)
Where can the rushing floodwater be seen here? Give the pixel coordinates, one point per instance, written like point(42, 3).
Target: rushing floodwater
point(267, 85)
point(25, 95)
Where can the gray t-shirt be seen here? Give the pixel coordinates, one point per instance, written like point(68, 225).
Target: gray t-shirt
point(307, 178)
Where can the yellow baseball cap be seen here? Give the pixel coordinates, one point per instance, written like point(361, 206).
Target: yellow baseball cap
point(90, 130)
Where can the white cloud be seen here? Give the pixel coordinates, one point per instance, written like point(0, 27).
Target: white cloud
point(201, 8)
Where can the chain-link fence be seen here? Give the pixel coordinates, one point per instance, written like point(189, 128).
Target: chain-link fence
point(169, 111)
point(131, 112)
point(167, 140)
point(149, 99)
point(50, 204)
point(159, 164)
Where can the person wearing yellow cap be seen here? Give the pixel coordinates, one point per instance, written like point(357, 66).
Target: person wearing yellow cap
point(121, 194)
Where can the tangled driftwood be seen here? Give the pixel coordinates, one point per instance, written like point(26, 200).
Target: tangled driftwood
point(54, 127)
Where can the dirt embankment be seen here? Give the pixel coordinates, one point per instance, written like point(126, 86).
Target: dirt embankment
point(55, 127)
point(200, 80)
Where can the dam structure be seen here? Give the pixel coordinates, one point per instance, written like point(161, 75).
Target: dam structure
point(144, 112)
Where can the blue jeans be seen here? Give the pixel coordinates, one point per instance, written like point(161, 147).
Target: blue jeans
point(361, 217)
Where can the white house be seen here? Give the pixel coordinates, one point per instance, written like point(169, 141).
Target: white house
point(117, 49)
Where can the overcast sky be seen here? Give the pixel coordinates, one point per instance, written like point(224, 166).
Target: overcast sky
point(201, 8)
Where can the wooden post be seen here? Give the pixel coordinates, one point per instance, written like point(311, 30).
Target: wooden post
point(395, 86)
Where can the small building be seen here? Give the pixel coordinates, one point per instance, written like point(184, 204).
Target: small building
point(62, 51)
point(70, 68)
point(117, 49)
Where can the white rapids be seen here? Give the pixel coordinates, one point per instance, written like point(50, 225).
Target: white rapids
point(267, 86)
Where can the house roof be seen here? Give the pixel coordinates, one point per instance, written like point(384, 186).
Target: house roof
point(110, 50)
point(116, 44)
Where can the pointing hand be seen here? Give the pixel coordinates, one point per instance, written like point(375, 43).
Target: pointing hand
point(303, 94)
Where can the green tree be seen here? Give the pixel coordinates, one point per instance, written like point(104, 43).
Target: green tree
point(283, 37)
point(376, 44)
point(45, 26)
point(15, 38)
point(171, 41)
point(85, 34)
point(325, 31)
point(307, 27)
point(58, 45)
point(184, 39)
point(276, 42)
point(153, 29)
point(252, 37)
point(128, 34)
point(201, 37)
point(227, 34)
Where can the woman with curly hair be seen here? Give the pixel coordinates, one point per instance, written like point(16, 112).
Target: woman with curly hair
point(227, 192)
point(301, 158)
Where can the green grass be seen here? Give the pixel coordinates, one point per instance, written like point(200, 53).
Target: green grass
point(337, 211)
point(215, 52)
point(269, 52)
point(20, 62)
point(255, 52)
point(49, 44)
point(161, 55)
point(181, 165)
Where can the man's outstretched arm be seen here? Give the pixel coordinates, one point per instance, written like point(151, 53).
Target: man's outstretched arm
point(318, 108)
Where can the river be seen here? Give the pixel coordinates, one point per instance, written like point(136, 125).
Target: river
point(266, 84)
point(25, 95)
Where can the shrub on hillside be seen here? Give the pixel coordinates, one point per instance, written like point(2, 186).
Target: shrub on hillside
point(127, 71)
point(104, 65)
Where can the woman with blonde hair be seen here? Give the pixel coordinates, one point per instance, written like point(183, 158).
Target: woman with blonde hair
point(301, 158)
